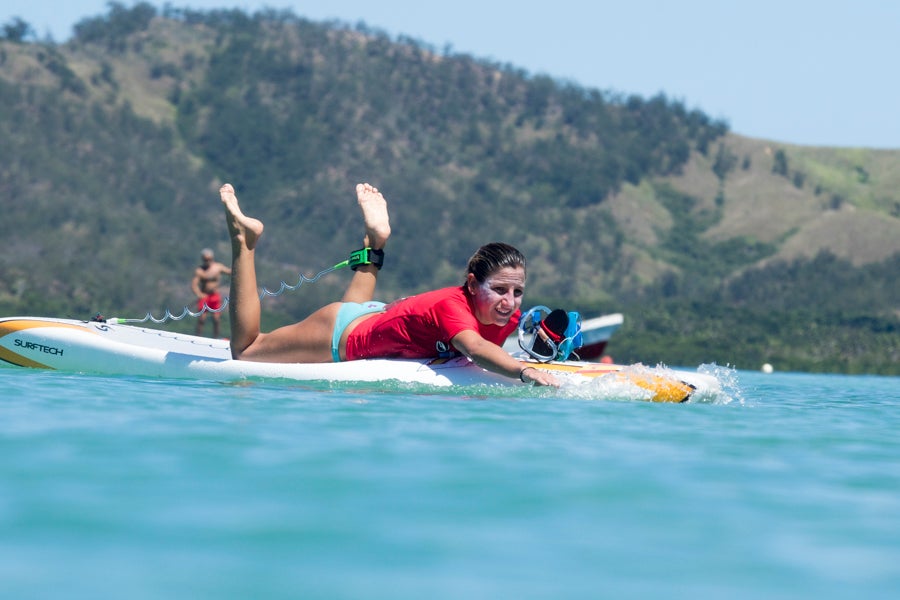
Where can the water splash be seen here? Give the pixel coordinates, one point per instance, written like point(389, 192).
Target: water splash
point(729, 386)
point(607, 387)
point(714, 384)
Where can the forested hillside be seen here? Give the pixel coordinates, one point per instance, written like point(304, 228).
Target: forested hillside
point(717, 248)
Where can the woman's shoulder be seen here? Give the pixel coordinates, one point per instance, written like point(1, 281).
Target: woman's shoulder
point(438, 295)
point(443, 301)
point(452, 295)
point(431, 298)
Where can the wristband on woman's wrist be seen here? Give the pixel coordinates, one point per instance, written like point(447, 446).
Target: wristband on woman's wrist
point(522, 374)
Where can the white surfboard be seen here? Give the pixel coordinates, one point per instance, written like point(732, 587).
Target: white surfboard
point(112, 349)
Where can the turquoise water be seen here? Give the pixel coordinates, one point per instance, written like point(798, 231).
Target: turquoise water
point(143, 488)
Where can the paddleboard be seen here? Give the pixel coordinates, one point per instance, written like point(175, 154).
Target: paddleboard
point(113, 349)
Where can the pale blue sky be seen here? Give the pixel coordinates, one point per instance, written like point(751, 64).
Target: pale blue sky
point(816, 72)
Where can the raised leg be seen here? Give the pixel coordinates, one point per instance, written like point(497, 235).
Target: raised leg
point(378, 230)
point(243, 304)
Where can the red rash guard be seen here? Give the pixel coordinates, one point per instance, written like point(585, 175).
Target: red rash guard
point(422, 326)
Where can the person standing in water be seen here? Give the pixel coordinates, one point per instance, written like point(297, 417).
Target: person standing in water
point(205, 286)
point(473, 319)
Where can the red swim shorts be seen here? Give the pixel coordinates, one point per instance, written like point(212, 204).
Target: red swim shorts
point(211, 301)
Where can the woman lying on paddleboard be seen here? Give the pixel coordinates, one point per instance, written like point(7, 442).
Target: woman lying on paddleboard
point(473, 319)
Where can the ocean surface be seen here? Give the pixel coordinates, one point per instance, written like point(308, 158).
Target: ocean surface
point(787, 486)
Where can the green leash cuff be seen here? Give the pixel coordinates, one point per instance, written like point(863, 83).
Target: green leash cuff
point(366, 256)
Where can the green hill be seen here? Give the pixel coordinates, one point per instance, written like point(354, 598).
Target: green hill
point(718, 248)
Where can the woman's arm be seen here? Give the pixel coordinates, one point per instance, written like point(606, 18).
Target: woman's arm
point(492, 357)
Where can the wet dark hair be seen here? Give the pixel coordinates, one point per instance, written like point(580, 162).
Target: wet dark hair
point(492, 257)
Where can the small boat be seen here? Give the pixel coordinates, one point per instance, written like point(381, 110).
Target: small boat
point(596, 333)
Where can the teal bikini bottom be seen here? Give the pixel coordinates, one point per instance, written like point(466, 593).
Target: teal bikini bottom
point(347, 313)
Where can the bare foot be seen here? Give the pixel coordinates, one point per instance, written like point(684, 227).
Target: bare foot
point(245, 230)
point(375, 216)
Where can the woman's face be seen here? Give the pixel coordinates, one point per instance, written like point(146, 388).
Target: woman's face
point(499, 296)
